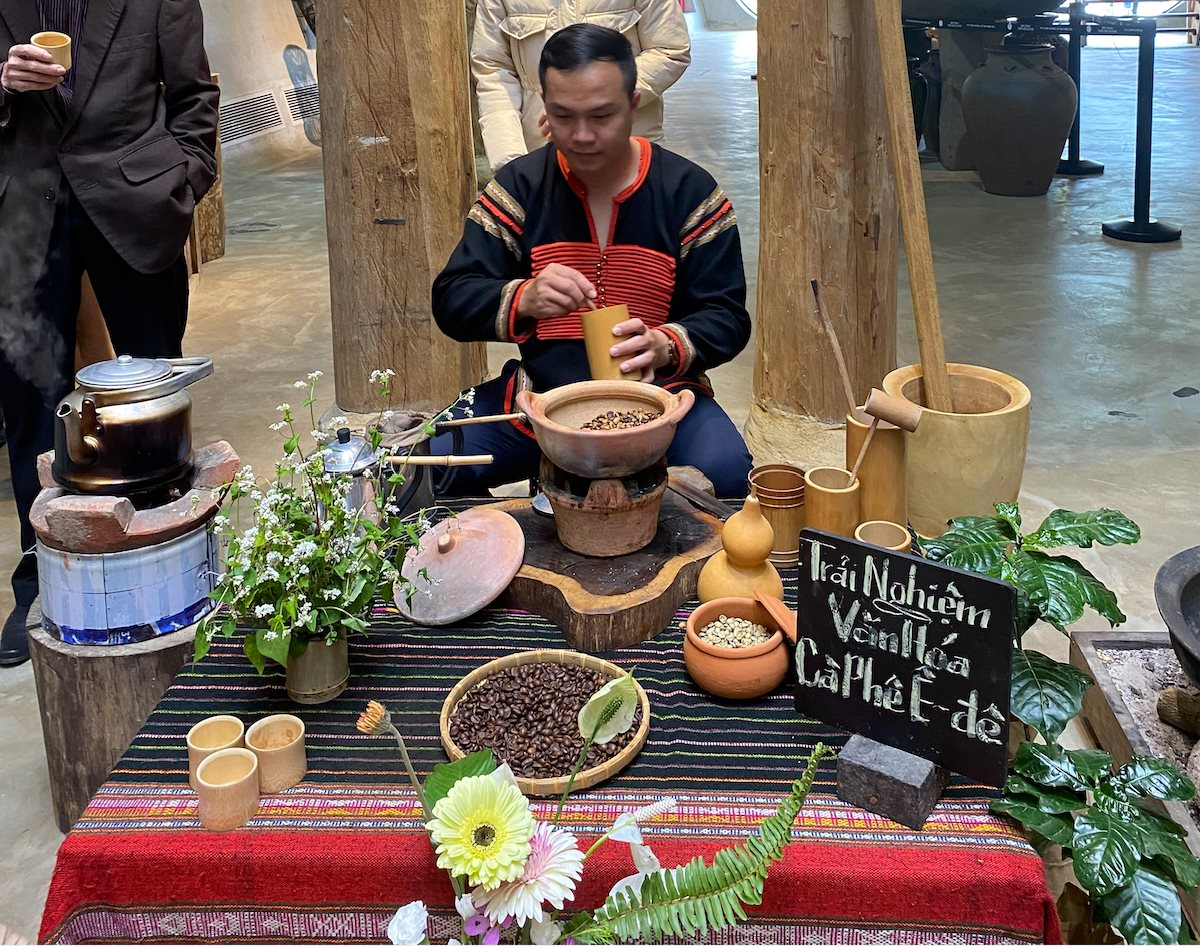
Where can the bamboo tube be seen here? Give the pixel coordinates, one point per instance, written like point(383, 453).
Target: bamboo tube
point(472, 460)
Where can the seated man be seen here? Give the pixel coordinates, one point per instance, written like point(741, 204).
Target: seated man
point(600, 216)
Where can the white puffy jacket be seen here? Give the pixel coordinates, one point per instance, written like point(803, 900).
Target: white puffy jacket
point(507, 47)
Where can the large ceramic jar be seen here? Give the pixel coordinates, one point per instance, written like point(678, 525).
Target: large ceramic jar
point(1018, 107)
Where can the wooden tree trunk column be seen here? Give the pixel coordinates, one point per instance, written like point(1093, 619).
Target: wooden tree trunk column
point(399, 179)
point(829, 213)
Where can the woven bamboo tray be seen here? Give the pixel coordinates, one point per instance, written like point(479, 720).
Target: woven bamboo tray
point(550, 786)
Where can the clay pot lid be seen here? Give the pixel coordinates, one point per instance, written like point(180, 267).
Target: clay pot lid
point(783, 615)
point(469, 561)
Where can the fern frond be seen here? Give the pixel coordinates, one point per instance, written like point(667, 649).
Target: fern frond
point(690, 900)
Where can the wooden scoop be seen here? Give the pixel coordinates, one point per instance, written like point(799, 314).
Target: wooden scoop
point(784, 616)
point(478, 459)
point(484, 419)
point(894, 410)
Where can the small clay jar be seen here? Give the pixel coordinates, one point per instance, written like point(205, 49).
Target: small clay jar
point(735, 673)
point(741, 568)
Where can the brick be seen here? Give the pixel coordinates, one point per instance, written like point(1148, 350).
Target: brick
point(889, 781)
point(216, 464)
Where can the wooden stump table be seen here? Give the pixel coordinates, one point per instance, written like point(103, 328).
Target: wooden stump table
point(604, 603)
point(93, 701)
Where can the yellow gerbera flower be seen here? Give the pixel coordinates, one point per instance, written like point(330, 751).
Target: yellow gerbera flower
point(481, 830)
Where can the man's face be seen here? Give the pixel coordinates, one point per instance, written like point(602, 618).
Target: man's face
point(590, 115)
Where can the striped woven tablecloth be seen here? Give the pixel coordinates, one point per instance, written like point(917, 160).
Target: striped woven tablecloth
point(332, 858)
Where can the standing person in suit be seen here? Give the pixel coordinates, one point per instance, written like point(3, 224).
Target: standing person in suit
point(100, 170)
point(506, 49)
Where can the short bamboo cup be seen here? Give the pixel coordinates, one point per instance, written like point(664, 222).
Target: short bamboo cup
point(58, 45)
point(780, 491)
point(227, 783)
point(278, 743)
point(887, 535)
point(212, 735)
point(831, 500)
point(599, 339)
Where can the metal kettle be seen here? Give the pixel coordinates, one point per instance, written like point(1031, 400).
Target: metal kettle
point(126, 429)
point(352, 456)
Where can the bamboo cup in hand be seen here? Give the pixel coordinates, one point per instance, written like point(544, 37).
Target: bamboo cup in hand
point(209, 736)
point(887, 535)
point(831, 500)
point(598, 339)
point(58, 45)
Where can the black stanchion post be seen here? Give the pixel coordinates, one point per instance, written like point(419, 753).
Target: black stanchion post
point(1074, 165)
point(1142, 229)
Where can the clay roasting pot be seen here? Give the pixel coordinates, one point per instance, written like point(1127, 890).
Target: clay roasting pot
point(557, 416)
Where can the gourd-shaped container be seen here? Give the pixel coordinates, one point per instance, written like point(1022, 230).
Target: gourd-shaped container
point(741, 568)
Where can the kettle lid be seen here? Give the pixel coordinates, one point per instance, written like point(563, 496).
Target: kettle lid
point(349, 454)
point(124, 371)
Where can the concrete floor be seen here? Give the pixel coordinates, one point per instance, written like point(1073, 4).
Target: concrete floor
point(1102, 332)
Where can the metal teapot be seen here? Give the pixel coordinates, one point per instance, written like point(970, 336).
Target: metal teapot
point(350, 455)
point(126, 429)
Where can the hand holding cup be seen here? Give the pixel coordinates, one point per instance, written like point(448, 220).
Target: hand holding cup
point(30, 68)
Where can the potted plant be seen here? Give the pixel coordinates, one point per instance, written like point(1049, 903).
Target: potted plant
point(1126, 857)
point(302, 565)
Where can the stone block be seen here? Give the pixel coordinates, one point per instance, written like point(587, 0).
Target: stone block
point(45, 462)
point(89, 523)
point(889, 781)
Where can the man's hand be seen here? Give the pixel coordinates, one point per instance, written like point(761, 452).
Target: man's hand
point(30, 69)
point(649, 349)
point(556, 290)
point(544, 126)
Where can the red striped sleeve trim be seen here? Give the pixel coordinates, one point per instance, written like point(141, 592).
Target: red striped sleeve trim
point(513, 334)
point(721, 212)
point(499, 214)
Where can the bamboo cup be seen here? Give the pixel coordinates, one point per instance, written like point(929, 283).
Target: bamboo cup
point(780, 492)
point(887, 535)
point(58, 45)
point(831, 500)
point(209, 736)
point(227, 783)
point(882, 473)
point(598, 339)
point(278, 742)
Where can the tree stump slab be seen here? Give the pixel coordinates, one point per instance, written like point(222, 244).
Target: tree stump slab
point(604, 603)
point(93, 701)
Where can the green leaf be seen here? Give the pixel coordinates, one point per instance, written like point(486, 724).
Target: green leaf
point(272, 647)
point(1055, 801)
point(250, 646)
point(684, 901)
point(1081, 529)
point(1010, 513)
point(1056, 827)
point(1046, 694)
point(290, 447)
point(1106, 852)
point(975, 543)
point(1049, 765)
point(1145, 776)
point(1165, 846)
point(1091, 764)
point(443, 776)
point(1059, 587)
point(1145, 909)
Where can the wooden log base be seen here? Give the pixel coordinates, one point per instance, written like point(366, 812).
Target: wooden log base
point(93, 701)
point(604, 603)
point(1180, 708)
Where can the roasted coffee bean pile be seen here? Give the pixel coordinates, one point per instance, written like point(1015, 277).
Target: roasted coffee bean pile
point(734, 632)
point(621, 420)
point(529, 717)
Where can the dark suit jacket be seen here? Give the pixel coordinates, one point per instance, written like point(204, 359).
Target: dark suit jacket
point(136, 144)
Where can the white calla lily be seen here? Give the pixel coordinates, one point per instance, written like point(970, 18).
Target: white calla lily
point(609, 712)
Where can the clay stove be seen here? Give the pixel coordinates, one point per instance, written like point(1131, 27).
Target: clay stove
point(120, 570)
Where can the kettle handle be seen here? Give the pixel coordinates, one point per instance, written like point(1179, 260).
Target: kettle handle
point(192, 368)
point(184, 371)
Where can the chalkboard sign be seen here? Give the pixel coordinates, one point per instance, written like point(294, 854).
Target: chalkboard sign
point(905, 651)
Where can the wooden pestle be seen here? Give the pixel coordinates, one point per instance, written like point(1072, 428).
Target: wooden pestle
point(851, 404)
point(906, 165)
point(484, 419)
point(880, 406)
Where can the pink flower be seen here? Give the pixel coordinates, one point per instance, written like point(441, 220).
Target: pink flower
point(552, 869)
